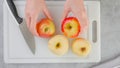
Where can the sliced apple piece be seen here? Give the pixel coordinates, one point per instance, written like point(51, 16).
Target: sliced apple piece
point(58, 45)
point(81, 47)
point(45, 28)
point(70, 27)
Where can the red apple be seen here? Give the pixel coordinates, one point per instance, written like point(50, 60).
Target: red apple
point(45, 28)
point(70, 27)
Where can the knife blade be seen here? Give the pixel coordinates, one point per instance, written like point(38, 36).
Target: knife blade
point(28, 37)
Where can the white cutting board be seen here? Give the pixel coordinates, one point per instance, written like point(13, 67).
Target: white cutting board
point(17, 51)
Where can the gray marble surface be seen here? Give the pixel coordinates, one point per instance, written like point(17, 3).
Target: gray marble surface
point(110, 38)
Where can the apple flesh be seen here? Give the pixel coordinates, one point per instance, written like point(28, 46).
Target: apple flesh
point(70, 27)
point(58, 45)
point(45, 28)
point(81, 47)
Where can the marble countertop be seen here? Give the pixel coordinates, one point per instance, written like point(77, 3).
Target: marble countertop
point(110, 38)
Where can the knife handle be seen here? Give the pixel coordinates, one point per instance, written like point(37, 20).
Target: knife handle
point(14, 11)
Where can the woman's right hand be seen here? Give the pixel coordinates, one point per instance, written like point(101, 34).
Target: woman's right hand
point(78, 9)
point(32, 10)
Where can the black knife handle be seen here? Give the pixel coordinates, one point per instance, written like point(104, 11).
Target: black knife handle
point(14, 11)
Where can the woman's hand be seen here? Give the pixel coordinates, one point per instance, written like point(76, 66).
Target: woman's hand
point(78, 9)
point(32, 10)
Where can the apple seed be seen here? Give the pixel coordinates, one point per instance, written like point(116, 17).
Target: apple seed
point(70, 27)
point(83, 49)
point(58, 45)
point(46, 29)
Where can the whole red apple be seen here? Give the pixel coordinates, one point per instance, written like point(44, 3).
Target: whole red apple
point(70, 27)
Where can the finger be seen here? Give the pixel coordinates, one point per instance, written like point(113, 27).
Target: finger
point(28, 20)
point(33, 25)
point(65, 14)
point(47, 13)
point(33, 30)
point(83, 19)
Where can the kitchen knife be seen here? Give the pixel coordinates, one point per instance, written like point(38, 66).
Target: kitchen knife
point(29, 38)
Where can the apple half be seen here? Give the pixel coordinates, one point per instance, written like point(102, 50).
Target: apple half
point(70, 27)
point(45, 28)
point(81, 47)
point(58, 45)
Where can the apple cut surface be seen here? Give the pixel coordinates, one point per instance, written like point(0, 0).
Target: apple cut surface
point(71, 27)
point(81, 47)
point(58, 45)
point(45, 28)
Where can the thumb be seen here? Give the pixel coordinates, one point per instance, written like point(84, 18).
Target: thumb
point(65, 14)
point(28, 20)
point(46, 12)
point(83, 19)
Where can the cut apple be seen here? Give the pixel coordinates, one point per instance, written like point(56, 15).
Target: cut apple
point(58, 45)
point(45, 28)
point(81, 47)
point(70, 27)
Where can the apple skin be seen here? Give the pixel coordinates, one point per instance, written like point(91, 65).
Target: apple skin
point(58, 45)
point(71, 27)
point(81, 47)
point(45, 28)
